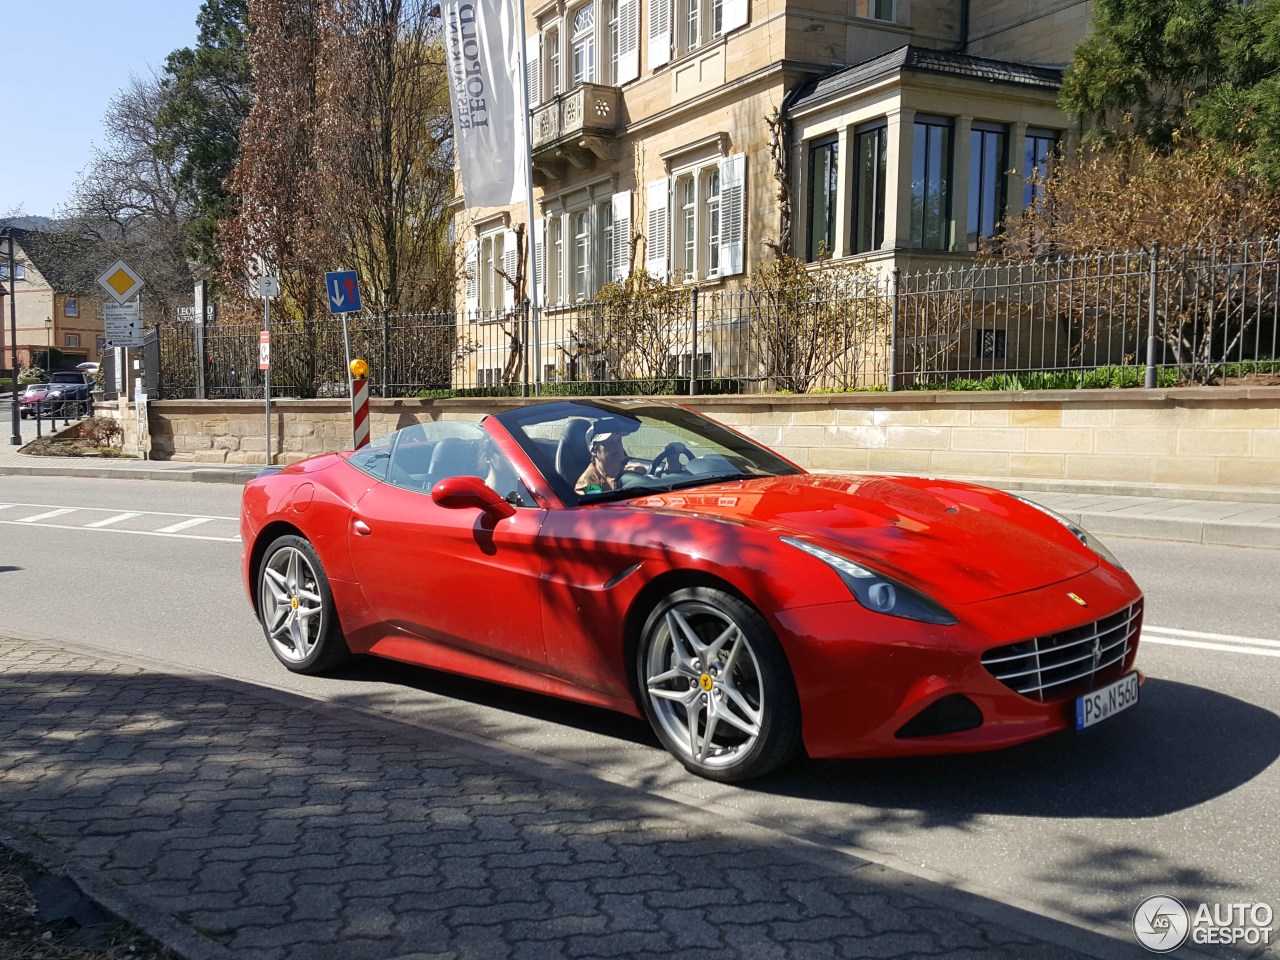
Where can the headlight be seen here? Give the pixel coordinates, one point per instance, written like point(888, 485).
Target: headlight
point(1080, 533)
point(877, 592)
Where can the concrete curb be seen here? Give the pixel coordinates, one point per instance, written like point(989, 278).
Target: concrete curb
point(155, 923)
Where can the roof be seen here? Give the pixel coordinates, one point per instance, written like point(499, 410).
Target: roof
point(909, 59)
point(61, 258)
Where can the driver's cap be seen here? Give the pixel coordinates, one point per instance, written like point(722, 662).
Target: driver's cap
point(593, 438)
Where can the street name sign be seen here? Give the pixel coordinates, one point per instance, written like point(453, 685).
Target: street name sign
point(344, 291)
point(122, 323)
point(120, 281)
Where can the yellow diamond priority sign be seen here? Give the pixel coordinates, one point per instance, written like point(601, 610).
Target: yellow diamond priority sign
point(120, 281)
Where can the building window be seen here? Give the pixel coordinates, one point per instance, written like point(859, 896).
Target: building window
point(875, 10)
point(687, 244)
point(491, 280)
point(871, 145)
point(70, 307)
point(584, 45)
point(988, 161)
point(614, 40)
point(704, 22)
point(1038, 152)
point(824, 178)
point(988, 344)
point(71, 340)
point(19, 271)
point(581, 255)
point(931, 185)
point(711, 198)
point(552, 48)
point(555, 261)
point(604, 246)
point(680, 365)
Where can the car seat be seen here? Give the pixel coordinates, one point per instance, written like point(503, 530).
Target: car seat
point(572, 454)
point(454, 457)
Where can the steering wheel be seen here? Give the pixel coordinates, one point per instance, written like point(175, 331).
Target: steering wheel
point(668, 461)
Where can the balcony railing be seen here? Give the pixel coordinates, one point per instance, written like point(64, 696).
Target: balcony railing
point(575, 128)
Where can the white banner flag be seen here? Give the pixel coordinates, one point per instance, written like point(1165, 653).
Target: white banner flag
point(482, 47)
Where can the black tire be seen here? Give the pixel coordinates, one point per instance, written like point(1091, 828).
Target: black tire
point(704, 656)
point(296, 608)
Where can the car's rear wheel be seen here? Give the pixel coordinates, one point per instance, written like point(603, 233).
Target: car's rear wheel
point(716, 686)
point(296, 608)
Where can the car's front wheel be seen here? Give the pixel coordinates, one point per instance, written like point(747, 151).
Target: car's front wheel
point(296, 608)
point(716, 686)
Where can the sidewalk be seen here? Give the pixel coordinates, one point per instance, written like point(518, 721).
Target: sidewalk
point(228, 820)
point(1248, 517)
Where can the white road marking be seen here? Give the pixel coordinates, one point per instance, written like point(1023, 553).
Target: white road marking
point(110, 520)
point(1222, 642)
point(184, 525)
point(60, 512)
point(140, 533)
point(175, 524)
point(141, 513)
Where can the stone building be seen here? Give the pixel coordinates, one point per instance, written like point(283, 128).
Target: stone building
point(910, 127)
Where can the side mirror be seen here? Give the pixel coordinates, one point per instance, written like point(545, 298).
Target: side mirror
point(459, 492)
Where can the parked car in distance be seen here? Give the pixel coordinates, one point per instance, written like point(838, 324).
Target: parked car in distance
point(69, 394)
point(32, 394)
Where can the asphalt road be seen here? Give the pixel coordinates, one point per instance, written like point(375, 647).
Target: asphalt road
point(1176, 798)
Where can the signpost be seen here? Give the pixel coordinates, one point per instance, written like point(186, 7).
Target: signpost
point(122, 323)
point(344, 291)
point(122, 320)
point(268, 286)
point(344, 298)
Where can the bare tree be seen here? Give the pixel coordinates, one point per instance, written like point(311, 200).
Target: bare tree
point(126, 202)
point(387, 160)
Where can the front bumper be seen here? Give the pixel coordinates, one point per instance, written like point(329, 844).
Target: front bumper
point(864, 677)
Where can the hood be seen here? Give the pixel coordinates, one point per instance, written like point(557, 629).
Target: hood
point(958, 542)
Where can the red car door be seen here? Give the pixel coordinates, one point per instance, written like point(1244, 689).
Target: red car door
point(456, 579)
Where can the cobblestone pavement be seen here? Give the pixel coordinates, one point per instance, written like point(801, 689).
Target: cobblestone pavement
point(237, 822)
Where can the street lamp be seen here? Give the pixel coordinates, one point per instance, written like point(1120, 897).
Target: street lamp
point(16, 439)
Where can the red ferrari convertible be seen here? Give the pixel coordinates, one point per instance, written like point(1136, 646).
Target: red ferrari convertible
point(641, 557)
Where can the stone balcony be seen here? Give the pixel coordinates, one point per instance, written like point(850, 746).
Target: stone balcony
point(574, 130)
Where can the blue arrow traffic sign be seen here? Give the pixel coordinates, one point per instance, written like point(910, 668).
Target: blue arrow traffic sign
point(344, 291)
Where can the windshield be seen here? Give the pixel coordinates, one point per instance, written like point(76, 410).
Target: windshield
point(67, 378)
point(597, 450)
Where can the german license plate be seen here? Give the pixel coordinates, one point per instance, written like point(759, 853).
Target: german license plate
point(1107, 701)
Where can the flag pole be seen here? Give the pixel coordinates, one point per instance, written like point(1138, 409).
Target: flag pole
point(535, 307)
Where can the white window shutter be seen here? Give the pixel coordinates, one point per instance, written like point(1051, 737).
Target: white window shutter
point(733, 172)
point(510, 266)
point(471, 265)
point(540, 255)
point(628, 41)
point(533, 68)
point(659, 32)
point(656, 227)
point(620, 256)
point(734, 15)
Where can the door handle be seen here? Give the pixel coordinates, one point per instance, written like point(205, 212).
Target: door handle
point(361, 528)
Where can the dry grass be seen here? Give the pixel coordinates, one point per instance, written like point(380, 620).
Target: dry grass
point(24, 936)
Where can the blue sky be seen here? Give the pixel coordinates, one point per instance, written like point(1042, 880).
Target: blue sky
point(64, 61)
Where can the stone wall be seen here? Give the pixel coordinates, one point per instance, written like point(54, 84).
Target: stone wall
point(1210, 436)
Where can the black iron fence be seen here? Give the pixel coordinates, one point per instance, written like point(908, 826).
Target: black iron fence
point(1146, 316)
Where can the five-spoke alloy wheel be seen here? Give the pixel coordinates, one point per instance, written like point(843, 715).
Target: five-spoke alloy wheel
point(716, 686)
point(296, 608)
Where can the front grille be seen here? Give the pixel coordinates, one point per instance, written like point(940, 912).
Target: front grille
point(1047, 667)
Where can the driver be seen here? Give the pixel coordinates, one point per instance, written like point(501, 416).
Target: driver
point(609, 462)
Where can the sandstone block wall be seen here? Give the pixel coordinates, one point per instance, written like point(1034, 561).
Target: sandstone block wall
point(1211, 436)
